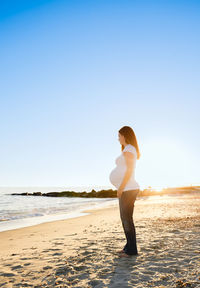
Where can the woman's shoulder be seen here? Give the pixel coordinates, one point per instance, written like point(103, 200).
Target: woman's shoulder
point(129, 148)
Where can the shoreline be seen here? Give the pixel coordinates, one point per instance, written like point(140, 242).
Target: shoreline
point(32, 221)
point(47, 227)
point(12, 224)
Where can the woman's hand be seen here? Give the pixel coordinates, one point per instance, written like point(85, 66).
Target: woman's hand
point(119, 192)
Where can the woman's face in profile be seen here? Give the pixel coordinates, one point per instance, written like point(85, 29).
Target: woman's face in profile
point(120, 138)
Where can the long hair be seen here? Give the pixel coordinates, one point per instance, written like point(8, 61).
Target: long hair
point(130, 138)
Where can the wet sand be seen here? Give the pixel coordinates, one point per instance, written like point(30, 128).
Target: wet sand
point(81, 252)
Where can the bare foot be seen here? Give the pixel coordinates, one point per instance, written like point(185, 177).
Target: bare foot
point(124, 255)
point(120, 251)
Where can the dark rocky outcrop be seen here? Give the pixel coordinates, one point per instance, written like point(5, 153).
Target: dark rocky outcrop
point(113, 193)
point(93, 194)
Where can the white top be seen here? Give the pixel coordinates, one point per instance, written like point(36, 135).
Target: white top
point(117, 174)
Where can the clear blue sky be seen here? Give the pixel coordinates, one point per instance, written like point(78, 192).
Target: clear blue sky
point(72, 73)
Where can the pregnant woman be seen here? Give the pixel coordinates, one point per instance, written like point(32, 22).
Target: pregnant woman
point(123, 178)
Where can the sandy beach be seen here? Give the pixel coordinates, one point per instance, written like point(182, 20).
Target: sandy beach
point(81, 252)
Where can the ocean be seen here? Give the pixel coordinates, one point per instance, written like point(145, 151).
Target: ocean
point(23, 211)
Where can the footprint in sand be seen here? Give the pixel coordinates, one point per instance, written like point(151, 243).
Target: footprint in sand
point(47, 267)
point(64, 270)
point(8, 274)
point(80, 268)
point(51, 249)
point(87, 253)
point(7, 264)
point(57, 254)
point(94, 282)
point(27, 264)
point(16, 267)
point(59, 238)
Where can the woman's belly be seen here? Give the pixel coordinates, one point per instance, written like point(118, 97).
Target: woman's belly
point(116, 178)
point(117, 175)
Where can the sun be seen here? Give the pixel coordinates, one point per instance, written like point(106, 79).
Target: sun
point(158, 189)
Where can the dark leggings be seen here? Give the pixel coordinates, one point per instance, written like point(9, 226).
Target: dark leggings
point(126, 205)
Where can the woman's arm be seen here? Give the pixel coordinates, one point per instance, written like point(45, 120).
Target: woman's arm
point(129, 157)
